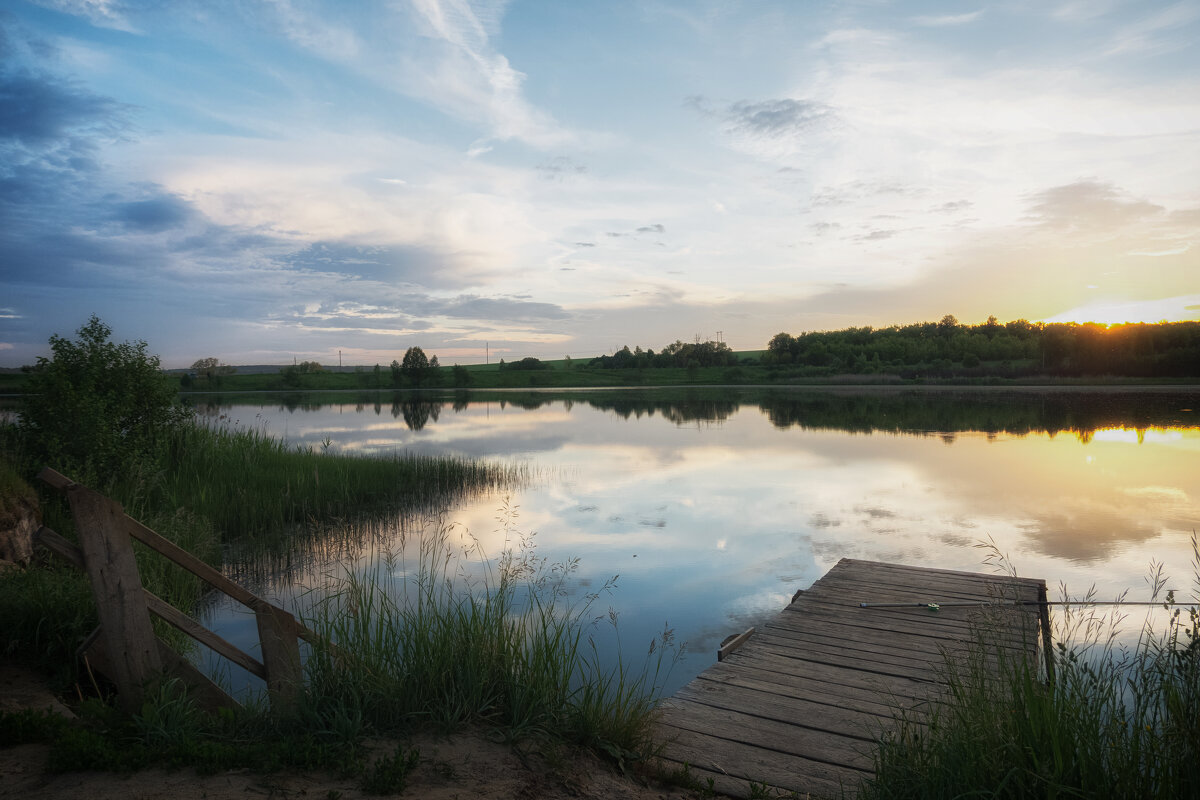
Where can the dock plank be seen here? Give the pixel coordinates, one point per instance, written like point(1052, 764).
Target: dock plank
point(802, 705)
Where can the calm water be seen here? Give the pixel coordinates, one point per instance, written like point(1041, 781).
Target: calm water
point(714, 506)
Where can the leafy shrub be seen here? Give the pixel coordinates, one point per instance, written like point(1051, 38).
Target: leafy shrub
point(96, 406)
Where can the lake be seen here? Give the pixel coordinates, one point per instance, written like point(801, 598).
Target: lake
point(714, 505)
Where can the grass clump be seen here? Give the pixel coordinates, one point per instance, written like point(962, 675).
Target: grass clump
point(436, 647)
point(389, 774)
point(1113, 721)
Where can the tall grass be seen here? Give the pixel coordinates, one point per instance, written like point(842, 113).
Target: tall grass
point(1114, 721)
point(446, 645)
point(247, 483)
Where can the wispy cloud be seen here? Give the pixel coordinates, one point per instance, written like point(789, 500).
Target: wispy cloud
point(948, 20)
point(101, 13)
point(1157, 32)
point(468, 78)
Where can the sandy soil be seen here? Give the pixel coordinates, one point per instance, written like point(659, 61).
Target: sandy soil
point(464, 766)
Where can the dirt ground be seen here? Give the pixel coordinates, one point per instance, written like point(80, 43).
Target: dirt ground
point(464, 766)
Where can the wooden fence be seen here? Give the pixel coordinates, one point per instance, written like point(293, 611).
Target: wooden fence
point(124, 647)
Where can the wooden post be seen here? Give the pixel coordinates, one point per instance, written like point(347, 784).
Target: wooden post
point(277, 630)
point(125, 628)
point(1047, 645)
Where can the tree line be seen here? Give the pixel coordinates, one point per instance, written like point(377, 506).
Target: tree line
point(677, 354)
point(1012, 349)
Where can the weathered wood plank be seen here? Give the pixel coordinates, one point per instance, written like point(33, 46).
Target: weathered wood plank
point(192, 564)
point(785, 687)
point(183, 622)
point(943, 628)
point(277, 630)
point(741, 761)
point(803, 714)
point(828, 747)
point(129, 638)
point(862, 567)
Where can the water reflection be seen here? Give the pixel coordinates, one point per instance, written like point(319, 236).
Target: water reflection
point(714, 506)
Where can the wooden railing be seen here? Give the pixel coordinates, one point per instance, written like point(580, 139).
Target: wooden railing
point(124, 647)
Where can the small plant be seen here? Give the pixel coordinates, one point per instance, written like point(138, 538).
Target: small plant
point(389, 774)
point(27, 726)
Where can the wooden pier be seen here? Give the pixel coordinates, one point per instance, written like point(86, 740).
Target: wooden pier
point(801, 705)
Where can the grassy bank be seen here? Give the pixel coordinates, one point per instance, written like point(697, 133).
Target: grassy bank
point(1113, 721)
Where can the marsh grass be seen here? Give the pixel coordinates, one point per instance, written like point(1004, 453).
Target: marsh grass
point(1114, 721)
point(459, 640)
point(247, 484)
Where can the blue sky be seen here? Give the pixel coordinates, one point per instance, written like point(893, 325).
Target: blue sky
point(268, 181)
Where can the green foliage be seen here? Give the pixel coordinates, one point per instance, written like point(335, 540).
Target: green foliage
point(389, 774)
point(45, 613)
point(170, 730)
point(415, 366)
point(246, 484)
point(525, 364)
point(28, 726)
point(96, 406)
point(211, 371)
point(678, 354)
point(1017, 349)
point(16, 496)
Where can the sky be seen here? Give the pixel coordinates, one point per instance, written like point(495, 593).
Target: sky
point(264, 182)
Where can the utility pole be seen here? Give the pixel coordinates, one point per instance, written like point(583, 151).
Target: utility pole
point(487, 353)
point(339, 359)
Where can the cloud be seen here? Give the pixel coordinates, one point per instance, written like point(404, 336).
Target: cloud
point(771, 129)
point(321, 35)
point(560, 168)
point(656, 228)
point(386, 263)
point(155, 215)
point(1088, 205)
point(101, 13)
point(952, 207)
point(38, 111)
point(947, 20)
point(500, 309)
point(785, 117)
point(461, 72)
point(876, 236)
point(1158, 33)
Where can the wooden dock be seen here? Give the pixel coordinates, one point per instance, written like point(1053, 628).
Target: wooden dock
point(801, 705)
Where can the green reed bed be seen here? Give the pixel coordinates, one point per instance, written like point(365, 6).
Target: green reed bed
point(433, 645)
point(1114, 721)
point(247, 483)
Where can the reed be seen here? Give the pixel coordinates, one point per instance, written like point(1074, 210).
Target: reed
point(248, 484)
point(1114, 721)
point(448, 643)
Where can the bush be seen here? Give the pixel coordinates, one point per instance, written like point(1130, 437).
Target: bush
point(96, 406)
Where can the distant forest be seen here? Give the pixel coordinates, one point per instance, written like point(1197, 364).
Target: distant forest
point(1013, 349)
point(948, 349)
